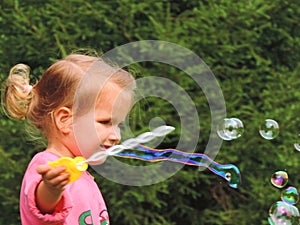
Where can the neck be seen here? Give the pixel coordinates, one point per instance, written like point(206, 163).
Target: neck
point(59, 149)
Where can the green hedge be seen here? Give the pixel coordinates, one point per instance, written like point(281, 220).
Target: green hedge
point(252, 47)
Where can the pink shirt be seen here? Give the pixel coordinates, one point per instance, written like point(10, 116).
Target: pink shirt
point(82, 202)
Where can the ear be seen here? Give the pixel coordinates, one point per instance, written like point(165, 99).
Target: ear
point(63, 119)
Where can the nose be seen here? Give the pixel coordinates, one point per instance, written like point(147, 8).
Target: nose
point(114, 135)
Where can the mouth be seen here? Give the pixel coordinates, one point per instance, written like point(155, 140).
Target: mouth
point(104, 147)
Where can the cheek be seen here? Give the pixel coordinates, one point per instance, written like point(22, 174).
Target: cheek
point(101, 132)
point(86, 137)
point(90, 147)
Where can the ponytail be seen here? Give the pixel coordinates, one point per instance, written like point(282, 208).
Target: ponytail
point(17, 92)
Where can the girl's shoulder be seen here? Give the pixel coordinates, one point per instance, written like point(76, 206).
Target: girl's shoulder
point(43, 158)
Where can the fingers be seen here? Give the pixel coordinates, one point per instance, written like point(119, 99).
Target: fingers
point(42, 169)
point(54, 177)
point(57, 182)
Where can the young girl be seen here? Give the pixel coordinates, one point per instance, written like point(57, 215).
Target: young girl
point(76, 97)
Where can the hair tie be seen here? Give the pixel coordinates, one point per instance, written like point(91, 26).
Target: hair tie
point(27, 88)
point(24, 89)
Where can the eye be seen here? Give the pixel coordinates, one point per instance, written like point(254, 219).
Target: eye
point(104, 122)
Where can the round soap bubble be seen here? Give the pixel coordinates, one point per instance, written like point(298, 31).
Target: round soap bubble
point(279, 179)
point(297, 145)
point(230, 128)
point(282, 213)
point(269, 129)
point(290, 195)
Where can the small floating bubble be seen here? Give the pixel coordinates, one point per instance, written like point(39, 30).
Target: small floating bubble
point(279, 179)
point(290, 195)
point(230, 128)
point(282, 213)
point(269, 130)
point(297, 145)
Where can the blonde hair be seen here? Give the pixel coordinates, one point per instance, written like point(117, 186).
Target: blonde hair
point(55, 89)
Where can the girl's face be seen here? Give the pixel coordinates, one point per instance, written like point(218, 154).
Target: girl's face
point(99, 129)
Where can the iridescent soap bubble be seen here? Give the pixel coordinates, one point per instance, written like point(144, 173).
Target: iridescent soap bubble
point(279, 179)
point(230, 128)
point(282, 213)
point(269, 129)
point(297, 145)
point(290, 195)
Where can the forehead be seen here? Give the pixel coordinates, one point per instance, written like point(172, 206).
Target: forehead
point(113, 101)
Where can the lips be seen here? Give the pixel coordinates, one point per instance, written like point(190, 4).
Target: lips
point(104, 147)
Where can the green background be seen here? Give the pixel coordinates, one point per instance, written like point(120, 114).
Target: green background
point(252, 47)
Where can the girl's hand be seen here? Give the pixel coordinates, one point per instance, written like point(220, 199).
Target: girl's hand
point(55, 178)
point(50, 189)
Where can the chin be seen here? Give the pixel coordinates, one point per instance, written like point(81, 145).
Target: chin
point(96, 158)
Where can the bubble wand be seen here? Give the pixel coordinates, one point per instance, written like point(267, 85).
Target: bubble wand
point(126, 150)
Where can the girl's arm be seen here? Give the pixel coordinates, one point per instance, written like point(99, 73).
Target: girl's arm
point(50, 189)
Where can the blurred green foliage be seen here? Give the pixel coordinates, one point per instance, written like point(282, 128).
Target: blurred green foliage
point(252, 47)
